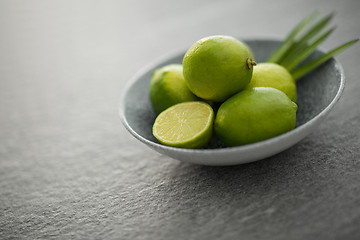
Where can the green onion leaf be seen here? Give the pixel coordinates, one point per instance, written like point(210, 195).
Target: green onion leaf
point(302, 43)
point(307, 51)
point(305, 69)
point(289, 40)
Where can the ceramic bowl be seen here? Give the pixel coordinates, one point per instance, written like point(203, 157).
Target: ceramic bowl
point(317, 92)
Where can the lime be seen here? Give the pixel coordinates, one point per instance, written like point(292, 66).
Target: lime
point(217, 67)
point(185, 125)
point(275, 76)
point(254, 115)
point(168, 88)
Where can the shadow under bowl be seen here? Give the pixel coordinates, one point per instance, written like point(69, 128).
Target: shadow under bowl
point(317, 93)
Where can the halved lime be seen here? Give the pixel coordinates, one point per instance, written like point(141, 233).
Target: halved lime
point(185, 125)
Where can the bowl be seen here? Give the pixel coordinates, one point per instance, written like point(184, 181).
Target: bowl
point(317, 93)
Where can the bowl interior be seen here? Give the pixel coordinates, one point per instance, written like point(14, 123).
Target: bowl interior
point(315, 92)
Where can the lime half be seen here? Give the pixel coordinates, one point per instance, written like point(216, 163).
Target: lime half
point(185, 125)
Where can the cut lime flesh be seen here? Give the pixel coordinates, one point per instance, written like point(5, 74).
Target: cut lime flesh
point(185, 125)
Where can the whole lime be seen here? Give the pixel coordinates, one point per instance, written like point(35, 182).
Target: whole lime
point(254, 115)
point(217, 67)
point(275, 76)
point(168, 88)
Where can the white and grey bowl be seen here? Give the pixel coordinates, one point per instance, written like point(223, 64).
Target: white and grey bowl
point(317, 92)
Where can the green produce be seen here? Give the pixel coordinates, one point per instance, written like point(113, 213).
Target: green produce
point(254, 115)
point(217, 67)
point(257, 102)
point(275, 76)
point(301, 42)
point(168, 88)
point(185, 125)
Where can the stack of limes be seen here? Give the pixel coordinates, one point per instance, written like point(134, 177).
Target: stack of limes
point(220, 69)
point(257, 101)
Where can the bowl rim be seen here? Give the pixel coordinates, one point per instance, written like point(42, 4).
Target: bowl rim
point(250, 146)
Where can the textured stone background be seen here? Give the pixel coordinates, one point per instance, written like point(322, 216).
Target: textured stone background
point(69, 170)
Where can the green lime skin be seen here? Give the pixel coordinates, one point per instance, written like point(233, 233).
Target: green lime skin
point(254, 115)
point(168, 88)
point(217, 67)
point(275, 76)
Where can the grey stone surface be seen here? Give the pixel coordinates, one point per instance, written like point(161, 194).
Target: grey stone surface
point(69, 170)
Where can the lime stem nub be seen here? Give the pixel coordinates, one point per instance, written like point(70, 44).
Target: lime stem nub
point(250, 62)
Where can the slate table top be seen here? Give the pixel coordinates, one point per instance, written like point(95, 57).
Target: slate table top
point(70, 170)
